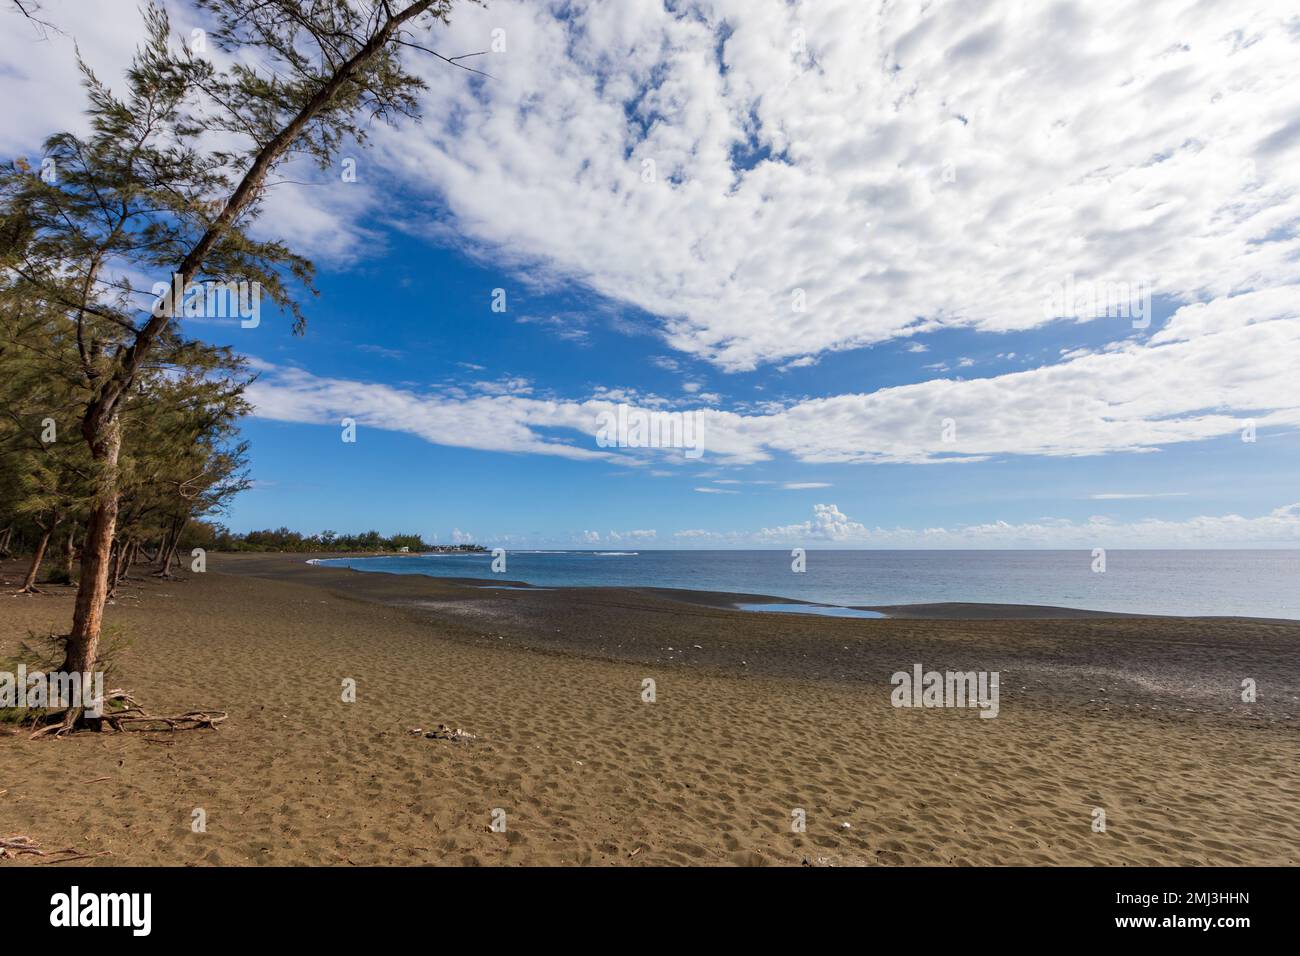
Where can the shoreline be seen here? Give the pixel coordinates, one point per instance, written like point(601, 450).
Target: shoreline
point(935, 611)
point(755, 714)
point(1145, 662)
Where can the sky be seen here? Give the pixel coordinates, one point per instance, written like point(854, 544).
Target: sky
point(956, 274)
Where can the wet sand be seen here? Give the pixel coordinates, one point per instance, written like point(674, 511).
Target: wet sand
point(756, 715)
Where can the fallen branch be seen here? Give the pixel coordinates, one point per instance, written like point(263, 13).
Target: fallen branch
point(79, 856)
point(18, 845)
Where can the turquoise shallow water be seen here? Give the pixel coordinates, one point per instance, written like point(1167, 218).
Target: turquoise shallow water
point(1246, 583)
point(821, 610)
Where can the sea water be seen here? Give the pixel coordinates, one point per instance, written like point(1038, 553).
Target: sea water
point(1258, 583)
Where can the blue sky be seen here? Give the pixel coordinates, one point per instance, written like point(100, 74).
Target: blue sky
point(830, 232)
point(437, 331)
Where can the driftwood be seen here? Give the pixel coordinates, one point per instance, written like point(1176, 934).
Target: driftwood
point(73, 859)
point(442, 733)
point(131, 716)
point(16, 846)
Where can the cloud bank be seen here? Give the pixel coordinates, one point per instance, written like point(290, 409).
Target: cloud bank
point(778, 179)
point(1217, 369)
point(829, 527)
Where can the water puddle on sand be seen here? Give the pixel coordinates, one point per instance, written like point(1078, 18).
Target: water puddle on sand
point(821, 610)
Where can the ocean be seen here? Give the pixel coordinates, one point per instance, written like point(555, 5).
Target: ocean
point(1257, 583)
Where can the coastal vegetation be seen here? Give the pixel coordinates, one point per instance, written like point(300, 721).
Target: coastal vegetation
point(218, 538)
point(119, 429)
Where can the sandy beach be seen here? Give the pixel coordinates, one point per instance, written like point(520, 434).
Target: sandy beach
point(755, 716)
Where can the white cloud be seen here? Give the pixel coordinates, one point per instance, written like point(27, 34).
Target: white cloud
point(488, 422)
point(1126, 496)
point(315, 212)
point(802, 485)
point(318, 215)
point(828, 523)
point(806, 361)
point(906, 166)
point(830, 526)
point(381, 351)
point(512, 385)
point(38, 69)
point(569, 326)
point(639, 536)
point(1211, 369)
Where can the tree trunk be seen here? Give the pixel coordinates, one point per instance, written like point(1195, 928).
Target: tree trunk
point(171, 557)
point(124, 562)
point(114, 567)
point(5, 538)
point(181, 524)
point(29, 586)
point(168, 553)
point(69, 552)
point(161, 552)
point(88, 616)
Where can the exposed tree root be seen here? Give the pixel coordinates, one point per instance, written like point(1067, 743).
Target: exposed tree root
point(129, 716)
point(16, 846)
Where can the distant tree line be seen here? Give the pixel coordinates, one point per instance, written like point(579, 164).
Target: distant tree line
point(215, 537)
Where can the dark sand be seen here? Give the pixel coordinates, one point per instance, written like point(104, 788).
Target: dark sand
point(756, 715)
